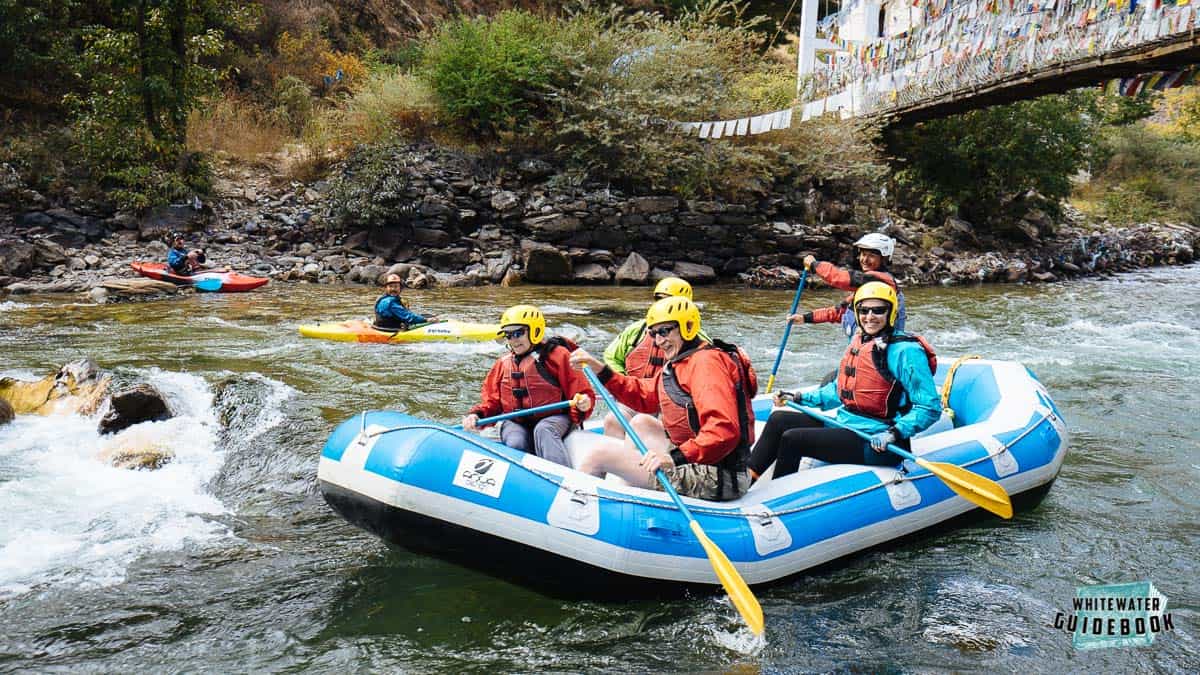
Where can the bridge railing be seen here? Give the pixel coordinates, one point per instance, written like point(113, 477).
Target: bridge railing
point(971, 46)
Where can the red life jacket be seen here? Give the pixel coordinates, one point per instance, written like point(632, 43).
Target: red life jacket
point(682, 422)
point(528, 382)
point(646, 359)
point(865, 384)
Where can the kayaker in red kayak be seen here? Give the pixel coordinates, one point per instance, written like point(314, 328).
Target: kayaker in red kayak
point(182, 261)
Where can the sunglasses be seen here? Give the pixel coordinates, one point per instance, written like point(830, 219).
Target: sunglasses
point(876, 310)
point(513, 334)
point(663, 331)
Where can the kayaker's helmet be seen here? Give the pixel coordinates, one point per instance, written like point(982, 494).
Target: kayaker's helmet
point(877, 290)
point(673, 287)
point(528, 316)
point(678, 309)
point(176, 236)
point(393, 279)
point(879, 242)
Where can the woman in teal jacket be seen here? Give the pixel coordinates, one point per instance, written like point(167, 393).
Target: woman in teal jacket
point(884, 386)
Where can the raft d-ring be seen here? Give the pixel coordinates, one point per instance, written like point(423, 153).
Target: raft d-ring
point(579, 497)
point(900, 476)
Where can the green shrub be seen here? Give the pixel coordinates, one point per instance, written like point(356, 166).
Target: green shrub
point(372, 190)
point(488, 73)
point(293, 103)
point(977, 163)
point(1147, 174)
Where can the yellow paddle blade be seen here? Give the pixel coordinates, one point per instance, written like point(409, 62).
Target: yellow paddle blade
point(972, 487)
point(770, 383)
point(739, 593)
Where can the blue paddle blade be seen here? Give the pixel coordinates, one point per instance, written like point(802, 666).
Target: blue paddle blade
point(209, 284)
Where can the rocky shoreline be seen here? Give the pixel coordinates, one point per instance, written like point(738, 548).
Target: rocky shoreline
point(449, 223)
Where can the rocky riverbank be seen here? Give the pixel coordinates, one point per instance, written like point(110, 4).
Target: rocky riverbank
point(447, 221)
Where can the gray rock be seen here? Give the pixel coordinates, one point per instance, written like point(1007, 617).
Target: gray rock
point(49, 252)
point(535, 169)
point(553, 227)
point(695, 273)
point(17, 257)
point(635, 270)
point(425, 236)
point(6, 412)
point(305, 249)
point(98, 295)
point(505, 201)
point(648, 205)
point(310, 271)
point(137, 287)
point(545, 264)
point(592, 273)
point(140, 403)
point(497, 267)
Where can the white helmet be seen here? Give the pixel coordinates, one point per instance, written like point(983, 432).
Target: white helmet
point(877, 241)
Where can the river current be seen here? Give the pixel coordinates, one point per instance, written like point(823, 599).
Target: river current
point(228, 559)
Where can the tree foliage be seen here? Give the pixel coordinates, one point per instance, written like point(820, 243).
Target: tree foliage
point(977, 163)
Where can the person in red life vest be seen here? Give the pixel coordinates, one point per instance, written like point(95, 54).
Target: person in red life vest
point(634, 353)
point(535, 372)
point(873, 251)
point(702, 396)
point(884, 386)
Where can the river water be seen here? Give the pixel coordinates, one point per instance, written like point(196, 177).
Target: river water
point(228, 560)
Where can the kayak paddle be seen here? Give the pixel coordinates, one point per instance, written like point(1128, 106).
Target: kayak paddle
point(982, 492)
point(209, 284)
point(739, 593)
point(787, 330)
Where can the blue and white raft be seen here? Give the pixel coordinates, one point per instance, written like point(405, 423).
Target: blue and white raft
point(430, 488)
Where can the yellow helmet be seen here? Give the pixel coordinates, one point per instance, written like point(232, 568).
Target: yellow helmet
point(877, 290)
point(680, 310)
point(674, 287)
point(529, 316)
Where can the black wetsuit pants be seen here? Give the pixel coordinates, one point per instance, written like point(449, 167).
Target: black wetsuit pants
point(789, 437)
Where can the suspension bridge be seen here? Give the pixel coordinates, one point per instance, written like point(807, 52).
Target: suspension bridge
point(912, 61)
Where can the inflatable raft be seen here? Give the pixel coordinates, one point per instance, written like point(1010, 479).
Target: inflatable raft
point(431, 488)
point(441, 331)
point(231, 282)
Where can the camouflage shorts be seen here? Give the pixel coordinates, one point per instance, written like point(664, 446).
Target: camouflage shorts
point(700, 481)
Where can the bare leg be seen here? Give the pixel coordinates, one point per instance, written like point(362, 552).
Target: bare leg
point(612, 427)
point(624, 459)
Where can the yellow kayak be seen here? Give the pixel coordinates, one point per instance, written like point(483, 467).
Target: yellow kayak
point(357, 330)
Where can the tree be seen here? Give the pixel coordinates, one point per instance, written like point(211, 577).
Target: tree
point(976, 163)
point(147, 63)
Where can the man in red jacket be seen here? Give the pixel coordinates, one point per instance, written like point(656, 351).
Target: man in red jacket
point(703, 394)
point(535, 372)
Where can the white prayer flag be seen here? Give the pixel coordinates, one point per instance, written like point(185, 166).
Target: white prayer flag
point(705, 129)
point(716, 130)
point(742, 126)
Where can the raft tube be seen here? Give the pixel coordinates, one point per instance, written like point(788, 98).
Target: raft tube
point(431, 488)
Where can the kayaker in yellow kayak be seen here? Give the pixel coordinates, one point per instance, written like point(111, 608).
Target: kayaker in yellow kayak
point(390, 311)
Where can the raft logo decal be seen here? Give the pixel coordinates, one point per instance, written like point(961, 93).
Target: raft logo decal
point(1115, 615)
point(480, 473)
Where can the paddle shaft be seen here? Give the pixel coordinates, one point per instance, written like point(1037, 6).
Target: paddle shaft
point(831, 421)
point(523, 412)
point(735, 586)
point(787, 330)
point(637, 441)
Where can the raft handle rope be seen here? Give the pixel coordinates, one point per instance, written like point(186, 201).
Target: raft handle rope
point(946, 409)
point(764, 516)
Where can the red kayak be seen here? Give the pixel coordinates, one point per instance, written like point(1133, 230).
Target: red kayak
point(222, 282)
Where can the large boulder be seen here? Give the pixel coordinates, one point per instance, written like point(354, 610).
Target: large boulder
point(553, 227)
point(695, 273)
point(17, 257)
point(137, 404)
point(635, 270)
point(137, 448)
point(6, 412)
point(77, 387)
point(592, 273)
point(545, 264)
point(160, 222)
